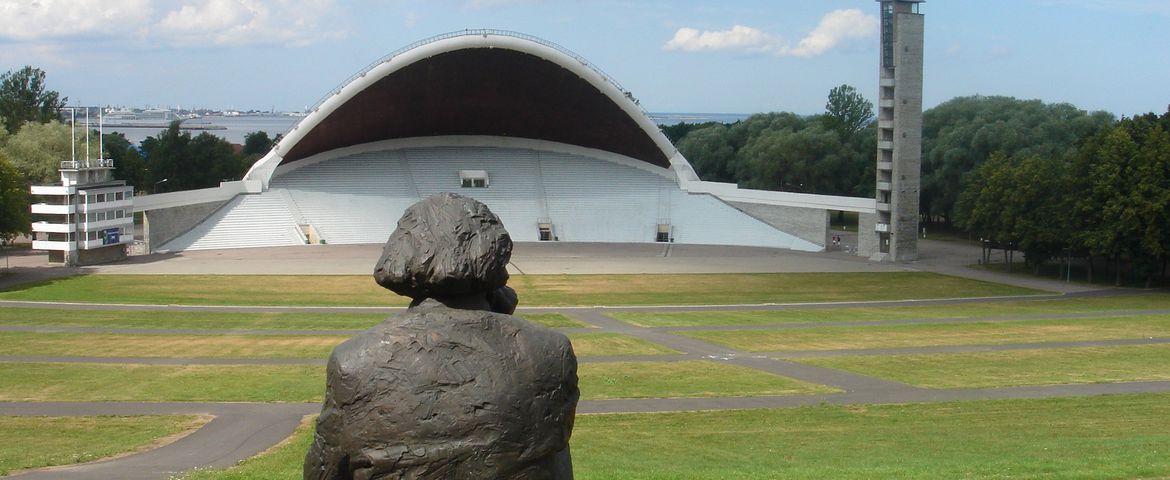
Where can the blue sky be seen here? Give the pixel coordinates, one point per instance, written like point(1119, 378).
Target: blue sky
point(675, 56)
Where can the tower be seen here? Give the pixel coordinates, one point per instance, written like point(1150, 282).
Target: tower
point(894, 236)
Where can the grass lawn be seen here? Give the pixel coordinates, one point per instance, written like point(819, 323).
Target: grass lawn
point(47, 382)
point(551, 290)
point(604, 344)
point(685, 379)
point(1013, 368)
point(52, 317)
point(169, 346)
point(891, 336)
point(1065, 438)
point(37, 442)
point(553, 320)
point(862, 314)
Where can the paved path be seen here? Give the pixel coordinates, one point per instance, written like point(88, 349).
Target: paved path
point(237, 431)
point(240, 430)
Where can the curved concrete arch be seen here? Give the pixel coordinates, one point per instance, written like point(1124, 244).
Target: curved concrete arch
point(356, 104)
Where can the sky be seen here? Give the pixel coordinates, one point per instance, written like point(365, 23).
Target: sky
point(713, 56)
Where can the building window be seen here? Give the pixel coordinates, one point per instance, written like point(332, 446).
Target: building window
point(119, 213)
point(663, 234)
point(545, 232)
point(118, 196)
point(473, 179)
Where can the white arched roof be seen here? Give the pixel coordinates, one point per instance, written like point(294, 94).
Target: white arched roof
point(264, 169)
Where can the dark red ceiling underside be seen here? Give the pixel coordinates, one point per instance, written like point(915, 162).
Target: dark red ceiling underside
point(482, 91)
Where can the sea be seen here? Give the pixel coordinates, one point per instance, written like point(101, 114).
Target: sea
point(233, 128)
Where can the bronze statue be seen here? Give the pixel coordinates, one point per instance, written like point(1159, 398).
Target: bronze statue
point(455, 387)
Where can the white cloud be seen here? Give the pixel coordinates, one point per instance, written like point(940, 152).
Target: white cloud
point(240, 22)
point(189, 23)
point(835, 27)
point(410, 19)
point(40, 19)
point(740, 38)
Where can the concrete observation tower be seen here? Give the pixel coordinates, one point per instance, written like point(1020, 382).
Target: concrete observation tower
point(894, 235)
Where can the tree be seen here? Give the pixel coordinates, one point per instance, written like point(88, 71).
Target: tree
point(257, 144)
point(964, 132)
point(847, 111)
point(710, 151)
point(176, 161)
point(128, 162)
point(14, 202)
point(38, 149)
point(23, 98)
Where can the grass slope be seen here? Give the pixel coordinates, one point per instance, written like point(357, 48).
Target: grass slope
point(38, 442)
point(599, 381)
point(862, 314)
point(1013, 368)
point(47, 382)
point(552, 290)
point(604, 344)
point(975, 333)
point(1066, 438)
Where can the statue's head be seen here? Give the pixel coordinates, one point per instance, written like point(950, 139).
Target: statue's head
point(445, 246)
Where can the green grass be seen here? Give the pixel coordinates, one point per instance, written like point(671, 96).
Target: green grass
point(46, 382)
point(863, 314)
point(551, 290)
point(687, 379)
point(1013, 368)
point(891, 336)
point(553, 320)
point(1102, 437)
point(38, 442)
point(282, 462)
point(52, 317)
point(253, 346)
point(169, 346)
point(1124, 436)
point(603, 344)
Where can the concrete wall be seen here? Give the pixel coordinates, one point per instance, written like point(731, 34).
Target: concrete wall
point(866, 239)
point(807, 224)
point(101, 255)
point(164, 224)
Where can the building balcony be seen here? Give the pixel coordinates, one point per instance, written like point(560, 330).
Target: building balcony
point(886, 124)
point(886, 103)
point(46, 227)
point(52, 245)
point(882, 207)
point(885, 81)
point(883, 186)
point(126, 223)
point(48, 209)
point(88, 207)
point(885, 145)
point(52, 190)
point(889, 166)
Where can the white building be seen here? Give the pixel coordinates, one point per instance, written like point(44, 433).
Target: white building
point(88, 218)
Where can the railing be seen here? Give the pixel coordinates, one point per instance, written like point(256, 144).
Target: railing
point(94, 163)
point(464, 33)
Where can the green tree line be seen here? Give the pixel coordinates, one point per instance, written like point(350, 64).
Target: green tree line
point(1109, 199)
